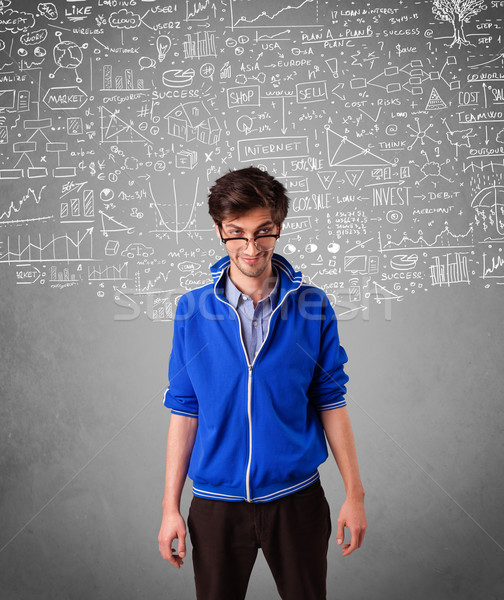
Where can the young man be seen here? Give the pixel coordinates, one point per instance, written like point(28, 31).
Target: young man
point(256, 386)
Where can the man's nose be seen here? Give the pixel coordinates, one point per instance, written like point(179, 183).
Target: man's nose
point(251, 249)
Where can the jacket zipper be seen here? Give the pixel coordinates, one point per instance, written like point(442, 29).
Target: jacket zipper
point(250, 366)
point(249, 414)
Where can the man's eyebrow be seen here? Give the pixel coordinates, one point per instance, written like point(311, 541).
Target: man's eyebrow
point(240, 227)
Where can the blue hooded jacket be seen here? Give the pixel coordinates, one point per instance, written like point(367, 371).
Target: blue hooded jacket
point(259, 433)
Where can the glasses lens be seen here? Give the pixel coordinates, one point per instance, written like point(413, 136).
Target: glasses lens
point(236, 245)
point(266, 243)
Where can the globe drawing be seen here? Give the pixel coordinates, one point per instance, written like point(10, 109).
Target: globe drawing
point(67, 55)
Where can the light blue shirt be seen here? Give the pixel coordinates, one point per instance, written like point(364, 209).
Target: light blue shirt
point(253, 321)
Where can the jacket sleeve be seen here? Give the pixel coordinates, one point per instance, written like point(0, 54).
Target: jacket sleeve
point(327, 389)
point(179, 395)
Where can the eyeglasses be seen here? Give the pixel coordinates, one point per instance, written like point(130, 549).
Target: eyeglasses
point(263, 243)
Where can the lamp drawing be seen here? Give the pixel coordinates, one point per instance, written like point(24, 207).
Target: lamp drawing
point(163, 45)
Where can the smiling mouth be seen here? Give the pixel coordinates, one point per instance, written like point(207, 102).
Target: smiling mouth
point(252, 259)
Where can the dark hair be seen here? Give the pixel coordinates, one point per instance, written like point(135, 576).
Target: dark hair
point(242, 190)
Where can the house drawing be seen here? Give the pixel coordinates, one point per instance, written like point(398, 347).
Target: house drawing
point(192, 120)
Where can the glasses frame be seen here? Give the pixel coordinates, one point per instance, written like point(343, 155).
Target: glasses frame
point(247, 241)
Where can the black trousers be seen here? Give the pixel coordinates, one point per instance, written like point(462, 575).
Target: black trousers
point(293, 533)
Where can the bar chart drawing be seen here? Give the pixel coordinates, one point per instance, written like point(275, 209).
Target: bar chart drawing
point(200, 45)
point(453, 269)
point(125, 82)
point(163, 311)
point(62, 276)
point(79, 207)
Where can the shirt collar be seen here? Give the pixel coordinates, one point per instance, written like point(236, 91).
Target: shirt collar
point(234, 296)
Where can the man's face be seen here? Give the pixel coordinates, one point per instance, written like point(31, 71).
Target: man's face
point(251, 262)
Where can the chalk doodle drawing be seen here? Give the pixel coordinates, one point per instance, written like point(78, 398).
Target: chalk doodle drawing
point(385, 124)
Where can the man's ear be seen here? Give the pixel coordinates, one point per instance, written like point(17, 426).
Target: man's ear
point(217, 229)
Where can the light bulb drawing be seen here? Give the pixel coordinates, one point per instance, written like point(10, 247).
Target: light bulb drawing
point(163, 45)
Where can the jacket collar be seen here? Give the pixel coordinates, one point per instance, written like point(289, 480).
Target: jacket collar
point(289, 278)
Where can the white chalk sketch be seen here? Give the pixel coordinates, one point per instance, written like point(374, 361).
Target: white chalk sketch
point(112, 225)
point(68, 55)
point(266, 14)
point(344, 152)
point(450, 269)
point(108, 273)
point(458, 13)
point(384, 123)
point(489, 206)
point(443, 239)
point(60, 248)
point(493, 267)
point(116, 131)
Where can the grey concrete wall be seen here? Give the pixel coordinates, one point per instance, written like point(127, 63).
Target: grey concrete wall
point(83, 436)
point(386, 127)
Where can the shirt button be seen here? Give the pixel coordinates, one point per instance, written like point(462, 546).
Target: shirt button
point(244, 297)
point(254, 323)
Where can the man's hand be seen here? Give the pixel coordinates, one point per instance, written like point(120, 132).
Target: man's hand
point(172, 528)
point(353, 516)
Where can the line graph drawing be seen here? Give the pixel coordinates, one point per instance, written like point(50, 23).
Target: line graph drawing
point(303, 11)
point(15, 206)
point(108, 273)
point(163, 217)
point(494, 270)
point(61, 248)
point(200, 11)
point(491, 165)
point(151, 287)
point(444, 239)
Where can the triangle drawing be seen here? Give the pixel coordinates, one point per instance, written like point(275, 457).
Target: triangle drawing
point(353, 176)
point(382, 293)
point(326, 178)
point(115, 130)
point(435, 101)
point(113, 225)
point(344, 153)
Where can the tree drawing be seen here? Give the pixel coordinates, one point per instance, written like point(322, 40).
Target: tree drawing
point(457, 12)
